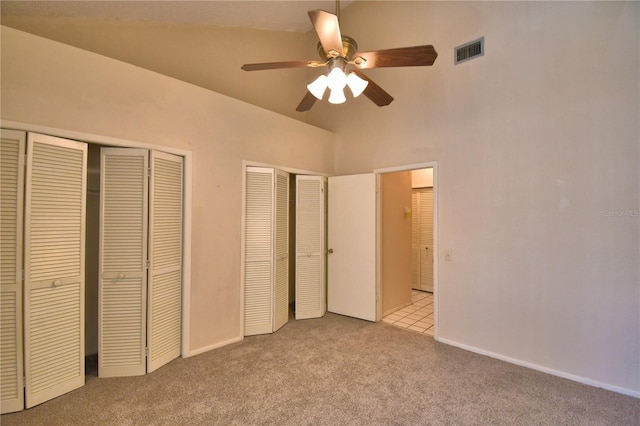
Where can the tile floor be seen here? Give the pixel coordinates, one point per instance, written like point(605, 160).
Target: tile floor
point(416, 317)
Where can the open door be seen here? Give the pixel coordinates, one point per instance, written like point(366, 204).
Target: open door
point(311, 254)
point(351, 287)
point(54, 261)
point(165, 260)
point(123, 262)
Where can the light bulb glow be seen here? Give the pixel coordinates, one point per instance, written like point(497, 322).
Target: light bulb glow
point(318, 86)
point(356, 84)
point(337, 96)
point(336, 79)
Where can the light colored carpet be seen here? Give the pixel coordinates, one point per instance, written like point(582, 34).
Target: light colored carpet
point(336, 371)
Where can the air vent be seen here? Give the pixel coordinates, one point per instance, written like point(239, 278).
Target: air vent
point(468, 51)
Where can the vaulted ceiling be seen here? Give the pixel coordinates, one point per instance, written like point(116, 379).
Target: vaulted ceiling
point(260, 14)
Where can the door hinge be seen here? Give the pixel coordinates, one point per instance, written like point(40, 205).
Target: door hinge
point(23, 275)
point(24, 382)
point(149, 171)
point(148, 263)
point(146, 351)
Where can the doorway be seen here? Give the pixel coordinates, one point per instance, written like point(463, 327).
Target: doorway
point(407, 247)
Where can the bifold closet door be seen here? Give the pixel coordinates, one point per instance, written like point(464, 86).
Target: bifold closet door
point(123, 262)
point(165, 259)
point(425, 202)
point(54, 257)
point(258, 265)
point(12, 154)
point(415, 241)
point(281, 251)
point(266, 274)
point(310, 246)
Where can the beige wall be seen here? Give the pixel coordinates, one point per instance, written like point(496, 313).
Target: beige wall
point(51, 84)
point(395, 241)
point(537, 145)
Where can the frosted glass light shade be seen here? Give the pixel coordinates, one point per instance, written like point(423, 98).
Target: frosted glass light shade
point(318, 86)
point(336, 79)
point(356, 84)
point(337, 96)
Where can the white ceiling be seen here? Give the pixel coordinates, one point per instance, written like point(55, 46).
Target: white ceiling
point(260, 14)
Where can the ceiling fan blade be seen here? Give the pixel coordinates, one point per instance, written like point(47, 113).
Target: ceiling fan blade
point(374, 92)
point(306, 103)
point(328, 29)
point(400, 57)
point(278, 65)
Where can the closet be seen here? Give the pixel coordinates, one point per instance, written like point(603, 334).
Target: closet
point(267, 252)
point(422, 239)
point(43, 222)
point(266, 266)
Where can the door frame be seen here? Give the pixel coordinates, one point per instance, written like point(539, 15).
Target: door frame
point(436, 294)
point(185, 350)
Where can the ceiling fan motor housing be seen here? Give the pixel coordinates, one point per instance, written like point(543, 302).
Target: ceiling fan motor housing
point(349, 46)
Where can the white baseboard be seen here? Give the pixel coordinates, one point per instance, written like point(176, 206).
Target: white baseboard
point(579, 379)
point(212, 347)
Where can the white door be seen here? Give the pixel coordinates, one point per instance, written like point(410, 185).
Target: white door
point(12, 153)
point(54, 259)
point(123, 262)
point(310, 247)
point(281, 251)
point(351, 286)
point(165, 259)
point(258, 265)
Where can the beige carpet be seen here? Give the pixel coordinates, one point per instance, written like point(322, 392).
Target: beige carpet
point(336, 371)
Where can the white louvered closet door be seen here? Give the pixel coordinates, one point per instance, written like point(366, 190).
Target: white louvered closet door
point(165, 257)
point(310, 247)
point(54, 267)
point(12, 153)
point(258, 265)
point(426, 238)
point(415, 241)
point(281, 252)
point(122, 264)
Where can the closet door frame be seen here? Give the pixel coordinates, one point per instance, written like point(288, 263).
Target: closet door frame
point(91, 138)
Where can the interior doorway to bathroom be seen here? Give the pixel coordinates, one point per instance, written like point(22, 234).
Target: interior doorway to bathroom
point(407, 247)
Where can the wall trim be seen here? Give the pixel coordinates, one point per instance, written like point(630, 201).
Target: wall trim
point(551, 371)
point(188, 199)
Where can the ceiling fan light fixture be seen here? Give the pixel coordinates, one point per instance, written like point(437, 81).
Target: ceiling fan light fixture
point(356, 84)
point(318, 86)
point(336, 80)
point(337, 96)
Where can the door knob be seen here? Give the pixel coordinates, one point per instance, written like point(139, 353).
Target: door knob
point(121, 276)
point(330, 250)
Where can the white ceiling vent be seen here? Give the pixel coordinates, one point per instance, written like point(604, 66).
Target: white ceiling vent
point(468, 51)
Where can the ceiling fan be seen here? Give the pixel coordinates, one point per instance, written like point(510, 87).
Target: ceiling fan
point(340, 55)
